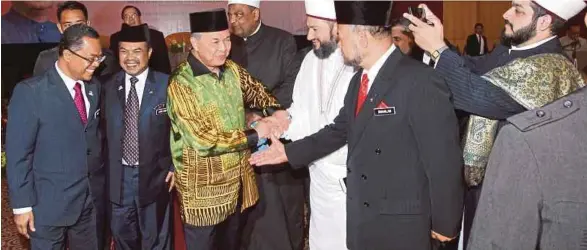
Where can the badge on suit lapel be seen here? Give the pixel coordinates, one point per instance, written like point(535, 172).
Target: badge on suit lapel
point(97, 113)
point(161, 108)
point(382, 109)
point(91, 93)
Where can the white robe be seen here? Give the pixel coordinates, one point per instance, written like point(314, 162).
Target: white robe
point(318, 96)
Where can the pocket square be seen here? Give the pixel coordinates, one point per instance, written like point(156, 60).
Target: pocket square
point(382, 105)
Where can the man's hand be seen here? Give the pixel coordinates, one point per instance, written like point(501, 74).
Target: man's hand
point(24, 222)
point(281, 120)
point(275, 154)
point(251, 117)
point(440, 237)
point(428, 37)
point(170, 180)
point(263, 128)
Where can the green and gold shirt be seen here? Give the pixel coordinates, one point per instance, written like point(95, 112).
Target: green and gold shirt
point(209, 139)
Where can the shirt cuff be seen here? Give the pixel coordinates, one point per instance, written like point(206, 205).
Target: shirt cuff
point(252, 138)
point(23, 210)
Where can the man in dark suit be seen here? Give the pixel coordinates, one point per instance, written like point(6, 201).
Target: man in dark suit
point(537, 164)
point(477, 42)
point(159, 61)
point(137, 134)
point(68, 14)
point(55, 168)
point(404, 179)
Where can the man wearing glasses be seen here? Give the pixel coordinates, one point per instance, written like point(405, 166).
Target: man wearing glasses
point(55, 168)
point(131, 16)
point(70, 13)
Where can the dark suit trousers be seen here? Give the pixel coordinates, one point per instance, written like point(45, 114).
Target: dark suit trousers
point(223, 236)
point(140, 227)
point(81, 235)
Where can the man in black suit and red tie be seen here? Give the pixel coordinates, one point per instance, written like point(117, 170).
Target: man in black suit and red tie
point(477, 42)
point(404, 178)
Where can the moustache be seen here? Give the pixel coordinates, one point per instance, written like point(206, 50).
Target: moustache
point(509, 24)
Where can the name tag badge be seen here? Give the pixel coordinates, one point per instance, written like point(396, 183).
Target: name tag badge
point(97, 113)
point(160, 109)
point(384, 111)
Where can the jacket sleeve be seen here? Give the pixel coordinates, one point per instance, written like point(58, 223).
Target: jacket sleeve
point(302, 152)
point(21, 135)
point(255, 94)
point(196, 125)
point(508, 213)
point(160, 58)
point(472, 93)
point(39, 65)
point(434, 125)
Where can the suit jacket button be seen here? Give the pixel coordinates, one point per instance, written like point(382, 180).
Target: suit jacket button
point(366, 204)
point(378, 151)
point(568, 104)
point(540, 113)
point(88, 152)
point(364, 177)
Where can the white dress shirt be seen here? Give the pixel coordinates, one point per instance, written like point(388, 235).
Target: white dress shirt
point(531, 46)
point(481, 44)
point(374, 70)
point(70, 84)
point(140, 87)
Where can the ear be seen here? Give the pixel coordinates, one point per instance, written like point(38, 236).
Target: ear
point(194, 43)
point(150, 52)
point(256, 14)
point(67, 55)
point(88, 23)
point(544, 22)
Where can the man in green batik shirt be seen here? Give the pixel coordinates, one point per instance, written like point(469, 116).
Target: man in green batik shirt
point(210, 143)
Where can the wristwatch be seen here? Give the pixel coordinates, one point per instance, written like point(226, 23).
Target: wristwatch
point(436, 54)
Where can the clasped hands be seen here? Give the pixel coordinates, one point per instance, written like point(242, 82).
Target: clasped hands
point(270, 127)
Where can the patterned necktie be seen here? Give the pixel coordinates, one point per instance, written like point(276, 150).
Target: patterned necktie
point(80, 104)
point(362, 93)
point(130, 141)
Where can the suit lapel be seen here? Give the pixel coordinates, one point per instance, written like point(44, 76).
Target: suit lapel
point(64, 97)
point(148, 98)
point(383, 81)
point(120, 88)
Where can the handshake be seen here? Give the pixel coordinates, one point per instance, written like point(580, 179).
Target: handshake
point(268, 127)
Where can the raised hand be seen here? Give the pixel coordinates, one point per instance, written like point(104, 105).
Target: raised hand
point(275, 154)
point(429, 37)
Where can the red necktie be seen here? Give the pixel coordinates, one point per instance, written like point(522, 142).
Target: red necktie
point(362, 93)
point(78, 99)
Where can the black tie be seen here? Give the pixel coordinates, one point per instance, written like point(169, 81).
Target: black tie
point(130, 143)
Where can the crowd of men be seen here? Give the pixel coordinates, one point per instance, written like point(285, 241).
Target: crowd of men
point(406, 143)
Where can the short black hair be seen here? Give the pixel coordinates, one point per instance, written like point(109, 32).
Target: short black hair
point(72, 38)
point(128, 7)
point(71, 5)
point(478, 25)
point(557, 22)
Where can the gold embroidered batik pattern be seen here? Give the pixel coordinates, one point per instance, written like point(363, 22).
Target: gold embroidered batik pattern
point(533, 82)
point(208, 142)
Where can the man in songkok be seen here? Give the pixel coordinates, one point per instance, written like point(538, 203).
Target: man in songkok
point(318, 95)
point(210, 143)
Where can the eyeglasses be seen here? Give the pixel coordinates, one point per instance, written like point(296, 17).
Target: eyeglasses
point(98, 59)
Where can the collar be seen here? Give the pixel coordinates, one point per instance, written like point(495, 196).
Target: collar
point(534, 45)
point(198, 68)
point(70, 83)
point(254, 32)
point(142, 76)
point(374, 70)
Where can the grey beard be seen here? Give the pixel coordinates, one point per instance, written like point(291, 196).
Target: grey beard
point(326, 49)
